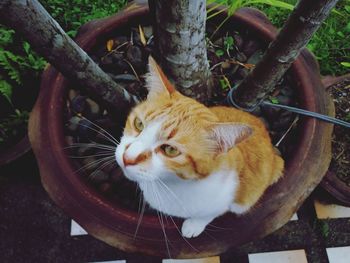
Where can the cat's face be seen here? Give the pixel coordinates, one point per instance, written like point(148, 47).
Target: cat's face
point(169, 136)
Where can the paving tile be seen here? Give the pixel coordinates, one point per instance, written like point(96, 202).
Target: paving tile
point(338, 254)
point(294, 217)
point(76, 229)
point(198, 260)
point(289, 256)
point(324, 211)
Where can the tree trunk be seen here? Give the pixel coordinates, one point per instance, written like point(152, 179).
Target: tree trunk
point(49, 40)
point(305, 19)
point(179, 28)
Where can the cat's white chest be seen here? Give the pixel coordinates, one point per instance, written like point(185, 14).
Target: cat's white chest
point(184, 198)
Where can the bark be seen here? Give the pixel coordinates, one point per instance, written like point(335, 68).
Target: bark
point(305, 19)
point(50, 41)
point(179, 28)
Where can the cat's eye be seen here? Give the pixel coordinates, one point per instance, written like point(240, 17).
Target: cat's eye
point(138, 124)
point(169, 150)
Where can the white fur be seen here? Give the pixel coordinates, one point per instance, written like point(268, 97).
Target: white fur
point(198, 201)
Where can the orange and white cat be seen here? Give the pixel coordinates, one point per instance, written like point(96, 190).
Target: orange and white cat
point(195, 162)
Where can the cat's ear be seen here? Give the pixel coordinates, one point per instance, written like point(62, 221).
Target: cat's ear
point(156, 81)
point(227, 135)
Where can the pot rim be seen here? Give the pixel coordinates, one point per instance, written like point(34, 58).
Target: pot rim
point(87, 202)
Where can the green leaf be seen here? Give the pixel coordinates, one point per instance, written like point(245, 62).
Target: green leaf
point(219, 52)
point(223, 84)
point(345, 64)
point(347, 8)
point(228, 42)
point(6, 90)
point(274, 100)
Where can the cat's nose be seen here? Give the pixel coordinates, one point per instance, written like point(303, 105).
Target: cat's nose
point(130, 157)
point(133, 160)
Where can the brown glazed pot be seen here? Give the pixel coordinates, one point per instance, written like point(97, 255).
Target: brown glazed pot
point(331, 182)
point(116, 225)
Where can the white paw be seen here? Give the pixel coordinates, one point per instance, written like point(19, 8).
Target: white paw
point(192, 227)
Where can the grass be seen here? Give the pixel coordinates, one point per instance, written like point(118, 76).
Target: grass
point(330, 44)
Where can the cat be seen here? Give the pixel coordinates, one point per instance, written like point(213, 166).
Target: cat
point(195, 162)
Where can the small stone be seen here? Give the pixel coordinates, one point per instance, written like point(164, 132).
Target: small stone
point(69, 140)
point(117, 57)
point(116, 175)
point(90, 163)
point(105, 188)
point(284, 100)
point(72, 94)
point(234, 69)
point(98, 176)
point(241, 57)
point(225, 65)
point(243, 72)
point(250, 47)
point(148, 31)
point(94, 109)
point(255, 57)
point(73, 123)
point(120, 40)
point(86, 129)
point(238, 40)
point(78, 104)
point(124, 77)
point(135, 57)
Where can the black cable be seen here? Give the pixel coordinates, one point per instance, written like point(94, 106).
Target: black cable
point(316, 115)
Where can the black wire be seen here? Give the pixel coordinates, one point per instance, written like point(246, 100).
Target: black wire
point(230, 100)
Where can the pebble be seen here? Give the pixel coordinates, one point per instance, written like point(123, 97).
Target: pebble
point(125, 77)
point(94, 109)
point(250, 47)
point(99, 176)
point(78, 104)
point(134, 55)
point(255, 57)
point(73, 123)
point(241, 57)
point(238, 40)
point(243, 72)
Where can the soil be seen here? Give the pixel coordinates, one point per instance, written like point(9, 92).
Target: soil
point(340, 164)
point(124, 57)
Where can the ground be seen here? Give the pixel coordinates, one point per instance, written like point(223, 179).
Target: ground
point(34, 229)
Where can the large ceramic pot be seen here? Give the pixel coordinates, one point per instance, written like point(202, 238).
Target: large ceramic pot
point(115, 224)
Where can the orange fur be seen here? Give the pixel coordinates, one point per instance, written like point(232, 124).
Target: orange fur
point(188, 126)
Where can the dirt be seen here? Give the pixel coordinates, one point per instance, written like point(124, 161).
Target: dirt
point(124, 57)
point(340, 164)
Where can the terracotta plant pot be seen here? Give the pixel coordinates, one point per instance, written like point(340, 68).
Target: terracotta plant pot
point(331, 182)
point(114, 224)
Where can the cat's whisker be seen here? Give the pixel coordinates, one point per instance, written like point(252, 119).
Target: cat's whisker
point(110, 136)
point(108, 162)
point(173, 194)
point(219, 228)
point(160, 218)
point(93, 163)
point(178, 230)
point(141, 214)
point(92, 155)
point(90, 145)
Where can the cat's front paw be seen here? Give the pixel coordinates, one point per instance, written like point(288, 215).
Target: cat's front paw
point(193, 227)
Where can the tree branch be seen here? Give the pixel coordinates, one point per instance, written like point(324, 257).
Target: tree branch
point(303, 22)
point(48, 39)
